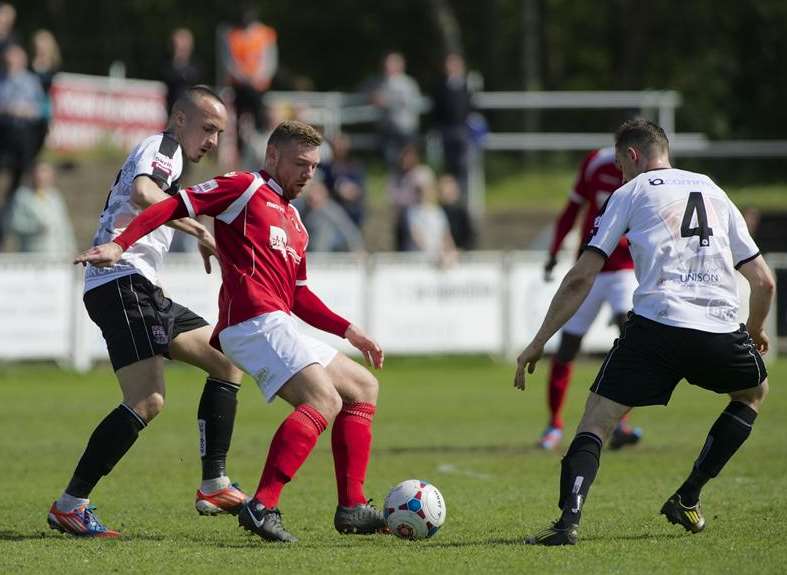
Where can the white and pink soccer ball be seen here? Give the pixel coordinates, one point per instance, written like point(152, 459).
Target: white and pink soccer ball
point(414, 509)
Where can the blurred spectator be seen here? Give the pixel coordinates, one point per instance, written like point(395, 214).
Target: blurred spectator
point(427, 224)
point(180, 70)
point(21, 98)
point(459, 220)
point(399, 99)
point(7, 35)
point(38, 216)
point(402, 191)
point(330, 228)
point(46, 63)
point(346, 179)
point(256, 141)
point(452, 103)
point(249, 60)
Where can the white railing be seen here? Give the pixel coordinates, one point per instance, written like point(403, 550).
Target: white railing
point(491, 302)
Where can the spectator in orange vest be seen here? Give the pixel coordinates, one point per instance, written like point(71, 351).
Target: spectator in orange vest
point(249, 60)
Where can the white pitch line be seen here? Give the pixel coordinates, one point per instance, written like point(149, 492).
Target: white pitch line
point(452, 469)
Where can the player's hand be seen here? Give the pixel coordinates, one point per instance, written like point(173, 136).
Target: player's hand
point(760, 339)
point(527, 359)
point(207, 247)
point(367, 346)
point(548, 267)
point(101, 256)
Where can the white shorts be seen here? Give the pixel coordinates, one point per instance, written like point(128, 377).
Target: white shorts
point(615, 288)
point(270, 348)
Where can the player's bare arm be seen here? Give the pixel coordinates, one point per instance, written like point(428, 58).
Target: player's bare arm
point(572, 292)
point(367, 346)
point(762, 286)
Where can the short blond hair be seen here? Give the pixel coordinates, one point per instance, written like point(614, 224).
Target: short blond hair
point(295, 131)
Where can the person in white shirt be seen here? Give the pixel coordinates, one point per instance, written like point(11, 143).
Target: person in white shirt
point(687, 239)
point(142, 326)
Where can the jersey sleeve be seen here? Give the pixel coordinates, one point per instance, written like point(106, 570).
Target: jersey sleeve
point(612, 221)
point(742, 245)
point(300, 275)
point(161, 160)
point(579, 193)
point(222, 197)
point(563, 226)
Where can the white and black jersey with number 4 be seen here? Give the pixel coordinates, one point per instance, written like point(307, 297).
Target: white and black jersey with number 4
point(158, 157)
point(687, 239)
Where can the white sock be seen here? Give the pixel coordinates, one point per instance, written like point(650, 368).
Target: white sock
point(68, 503)
point(212, 485)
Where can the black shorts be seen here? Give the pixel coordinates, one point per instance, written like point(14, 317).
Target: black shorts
point(136, 319)
point(649, 359)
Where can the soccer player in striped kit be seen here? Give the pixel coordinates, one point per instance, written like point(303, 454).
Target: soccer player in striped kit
point(141, 325)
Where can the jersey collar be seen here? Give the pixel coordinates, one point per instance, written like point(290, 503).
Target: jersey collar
point(271, 183)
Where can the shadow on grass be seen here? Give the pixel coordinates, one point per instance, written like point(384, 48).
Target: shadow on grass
point(636, 537)
point(9, 535)
point(443, 449)
point(502, 449)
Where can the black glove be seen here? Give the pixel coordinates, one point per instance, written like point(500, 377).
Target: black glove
point(548, 267)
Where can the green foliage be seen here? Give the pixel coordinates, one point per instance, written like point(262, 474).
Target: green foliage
point(454, 421)
point(725, 57)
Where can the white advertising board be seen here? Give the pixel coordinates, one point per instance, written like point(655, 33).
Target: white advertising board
point(417, 308)
point(36, 305)
point(529, 298)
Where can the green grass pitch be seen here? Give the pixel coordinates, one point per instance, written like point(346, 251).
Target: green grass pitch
point(456, 422)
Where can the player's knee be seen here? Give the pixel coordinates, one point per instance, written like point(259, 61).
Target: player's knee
point(327, 401)
point(754, 396)
point(366, 387)
point(150, 407)
point(227, 371)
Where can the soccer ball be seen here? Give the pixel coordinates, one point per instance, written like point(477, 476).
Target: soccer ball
point(414, 509)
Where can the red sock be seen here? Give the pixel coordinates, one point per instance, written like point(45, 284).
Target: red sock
point(559, 378)
point(351, 441)
point(291, 445)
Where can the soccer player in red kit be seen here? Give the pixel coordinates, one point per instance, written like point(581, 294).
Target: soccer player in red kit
point(261, 243)
point(597, 179)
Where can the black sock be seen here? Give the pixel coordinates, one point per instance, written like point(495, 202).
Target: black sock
point(578, 470)
point(110, 441)
point(725, 437)
point(215, 420)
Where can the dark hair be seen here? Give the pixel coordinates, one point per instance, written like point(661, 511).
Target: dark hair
point(642, 134)
point(295, 131)
point(187, 101)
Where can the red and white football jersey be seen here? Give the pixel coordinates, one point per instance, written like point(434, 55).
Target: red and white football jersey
point(597, 179)
point(262, 243)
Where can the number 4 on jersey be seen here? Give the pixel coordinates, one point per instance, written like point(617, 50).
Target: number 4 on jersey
point(696, 205)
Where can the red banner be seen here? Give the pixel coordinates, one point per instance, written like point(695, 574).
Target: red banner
point(95, 110)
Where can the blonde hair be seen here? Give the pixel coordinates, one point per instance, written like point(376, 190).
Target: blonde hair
point(295, 131)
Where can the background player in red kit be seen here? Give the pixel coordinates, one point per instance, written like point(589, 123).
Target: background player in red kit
point(261, 243)
point(597, 179)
